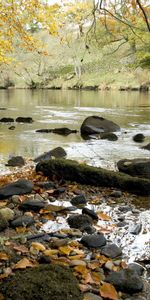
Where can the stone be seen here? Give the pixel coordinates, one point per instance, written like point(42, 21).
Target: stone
point(22, 221)
point(3, 223)
point(24, 120)
point(116, 194)
point(135, 167)
point(46, 185)
point(109, 136)
point(16, 161)
point(126, 281)
point(58, 152)
point(96, 124)
point(78, 200)
point(34, 205)
point(91, 296)
point(139, 269)
point(136, 228)
point(20, 187)
point(90, 213)
point(111, 250)
point(63, 131)
point(7, 213)
point(45, 282)
point(7, 120)
point(93, 240)
point(146, 147)
point(139, 138)
point(79, 221)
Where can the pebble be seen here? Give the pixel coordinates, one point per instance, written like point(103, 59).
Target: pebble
point(109, 265)
point(7, 213)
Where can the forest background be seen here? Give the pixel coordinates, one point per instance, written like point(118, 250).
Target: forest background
point(75, 44)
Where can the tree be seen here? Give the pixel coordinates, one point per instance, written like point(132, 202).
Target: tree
point(16, 17)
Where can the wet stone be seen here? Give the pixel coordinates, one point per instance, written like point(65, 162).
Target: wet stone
point(126, 281)
point(79, 221)
point(91, 296)
point(78, 200)
point(93, 240)
point(46, 185)
point(34, 205)
point(116, 194)
point(22, 221)
point(111, 251)
point(90, 213)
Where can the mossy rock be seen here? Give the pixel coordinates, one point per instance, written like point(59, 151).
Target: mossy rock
point(45, 282)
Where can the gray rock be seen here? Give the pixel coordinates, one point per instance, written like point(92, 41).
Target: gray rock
point(116, 194)
point(111, 250)
point(19, 187)
point(24, 120)
point(126, 281)
point(146, 147)
point(6, 120)
point(34, 205)
point(136, 228)
point(22, 221)
point(96, 124)
point(93, 240)
point(78, 200)
point(79, 221)
point(58, 152)
point(136, 268)
point(16, 161)
point(109, 136)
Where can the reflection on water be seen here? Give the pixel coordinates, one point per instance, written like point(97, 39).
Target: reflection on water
point(51, 109)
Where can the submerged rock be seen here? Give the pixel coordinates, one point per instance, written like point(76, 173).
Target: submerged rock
point(146, 147)
point(126, 281)
point(24, 120)
point(7, 120)
point(22, 186)
point(139, 138)
point(45, 282)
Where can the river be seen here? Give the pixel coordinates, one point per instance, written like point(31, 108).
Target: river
point(56, 108)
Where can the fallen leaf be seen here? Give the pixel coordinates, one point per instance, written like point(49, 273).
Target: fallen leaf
point(103, 216)
point(93, 265)
point(38, 246)
point(3, 256)
point(24, 263)
point(21, 249)
point(107, 290)
point(3, 203)
point(81, 269)
point(21, 229)
point(50, 252)
point(66, 250)
point(84, 287)
point(97, 277)
point(88, 278)
point(61, 261)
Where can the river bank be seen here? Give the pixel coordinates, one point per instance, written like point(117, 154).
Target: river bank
point(43, 228)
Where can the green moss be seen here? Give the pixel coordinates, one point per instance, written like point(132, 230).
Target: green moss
point(46, 282)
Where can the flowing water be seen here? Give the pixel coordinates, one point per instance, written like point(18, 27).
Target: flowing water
point(55, 108)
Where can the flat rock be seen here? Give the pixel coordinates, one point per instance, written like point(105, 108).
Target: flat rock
point(16, 161)
point(20, 187)
point(34, 205)
point(93, 240)
point(111, 250)
point(126, 281)
point(22, 221)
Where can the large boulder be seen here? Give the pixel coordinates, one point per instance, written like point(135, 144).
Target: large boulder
point(96, 124)
point(20, 187)
point(135, 167)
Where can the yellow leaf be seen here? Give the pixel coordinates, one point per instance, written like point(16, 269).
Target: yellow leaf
point(50, 252)
point(81, 269)
point(38, 246)
point(107, 290)
point(24, 263)
point(3, 256)
point(66, 250)
point(103, 216)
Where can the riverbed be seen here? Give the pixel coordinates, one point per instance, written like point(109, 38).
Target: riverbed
point(56, 108)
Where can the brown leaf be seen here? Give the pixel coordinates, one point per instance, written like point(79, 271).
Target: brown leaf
point(51, 208)
point(21, 249)
point(24, 263)
point(103, 216)
point(81, 269)
point(93, 265)
point(50, 252)
point(88, 278)
point(84, 287)
point(3, 203)
point(3, 256)
point(21, 229)
point(107, 290)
